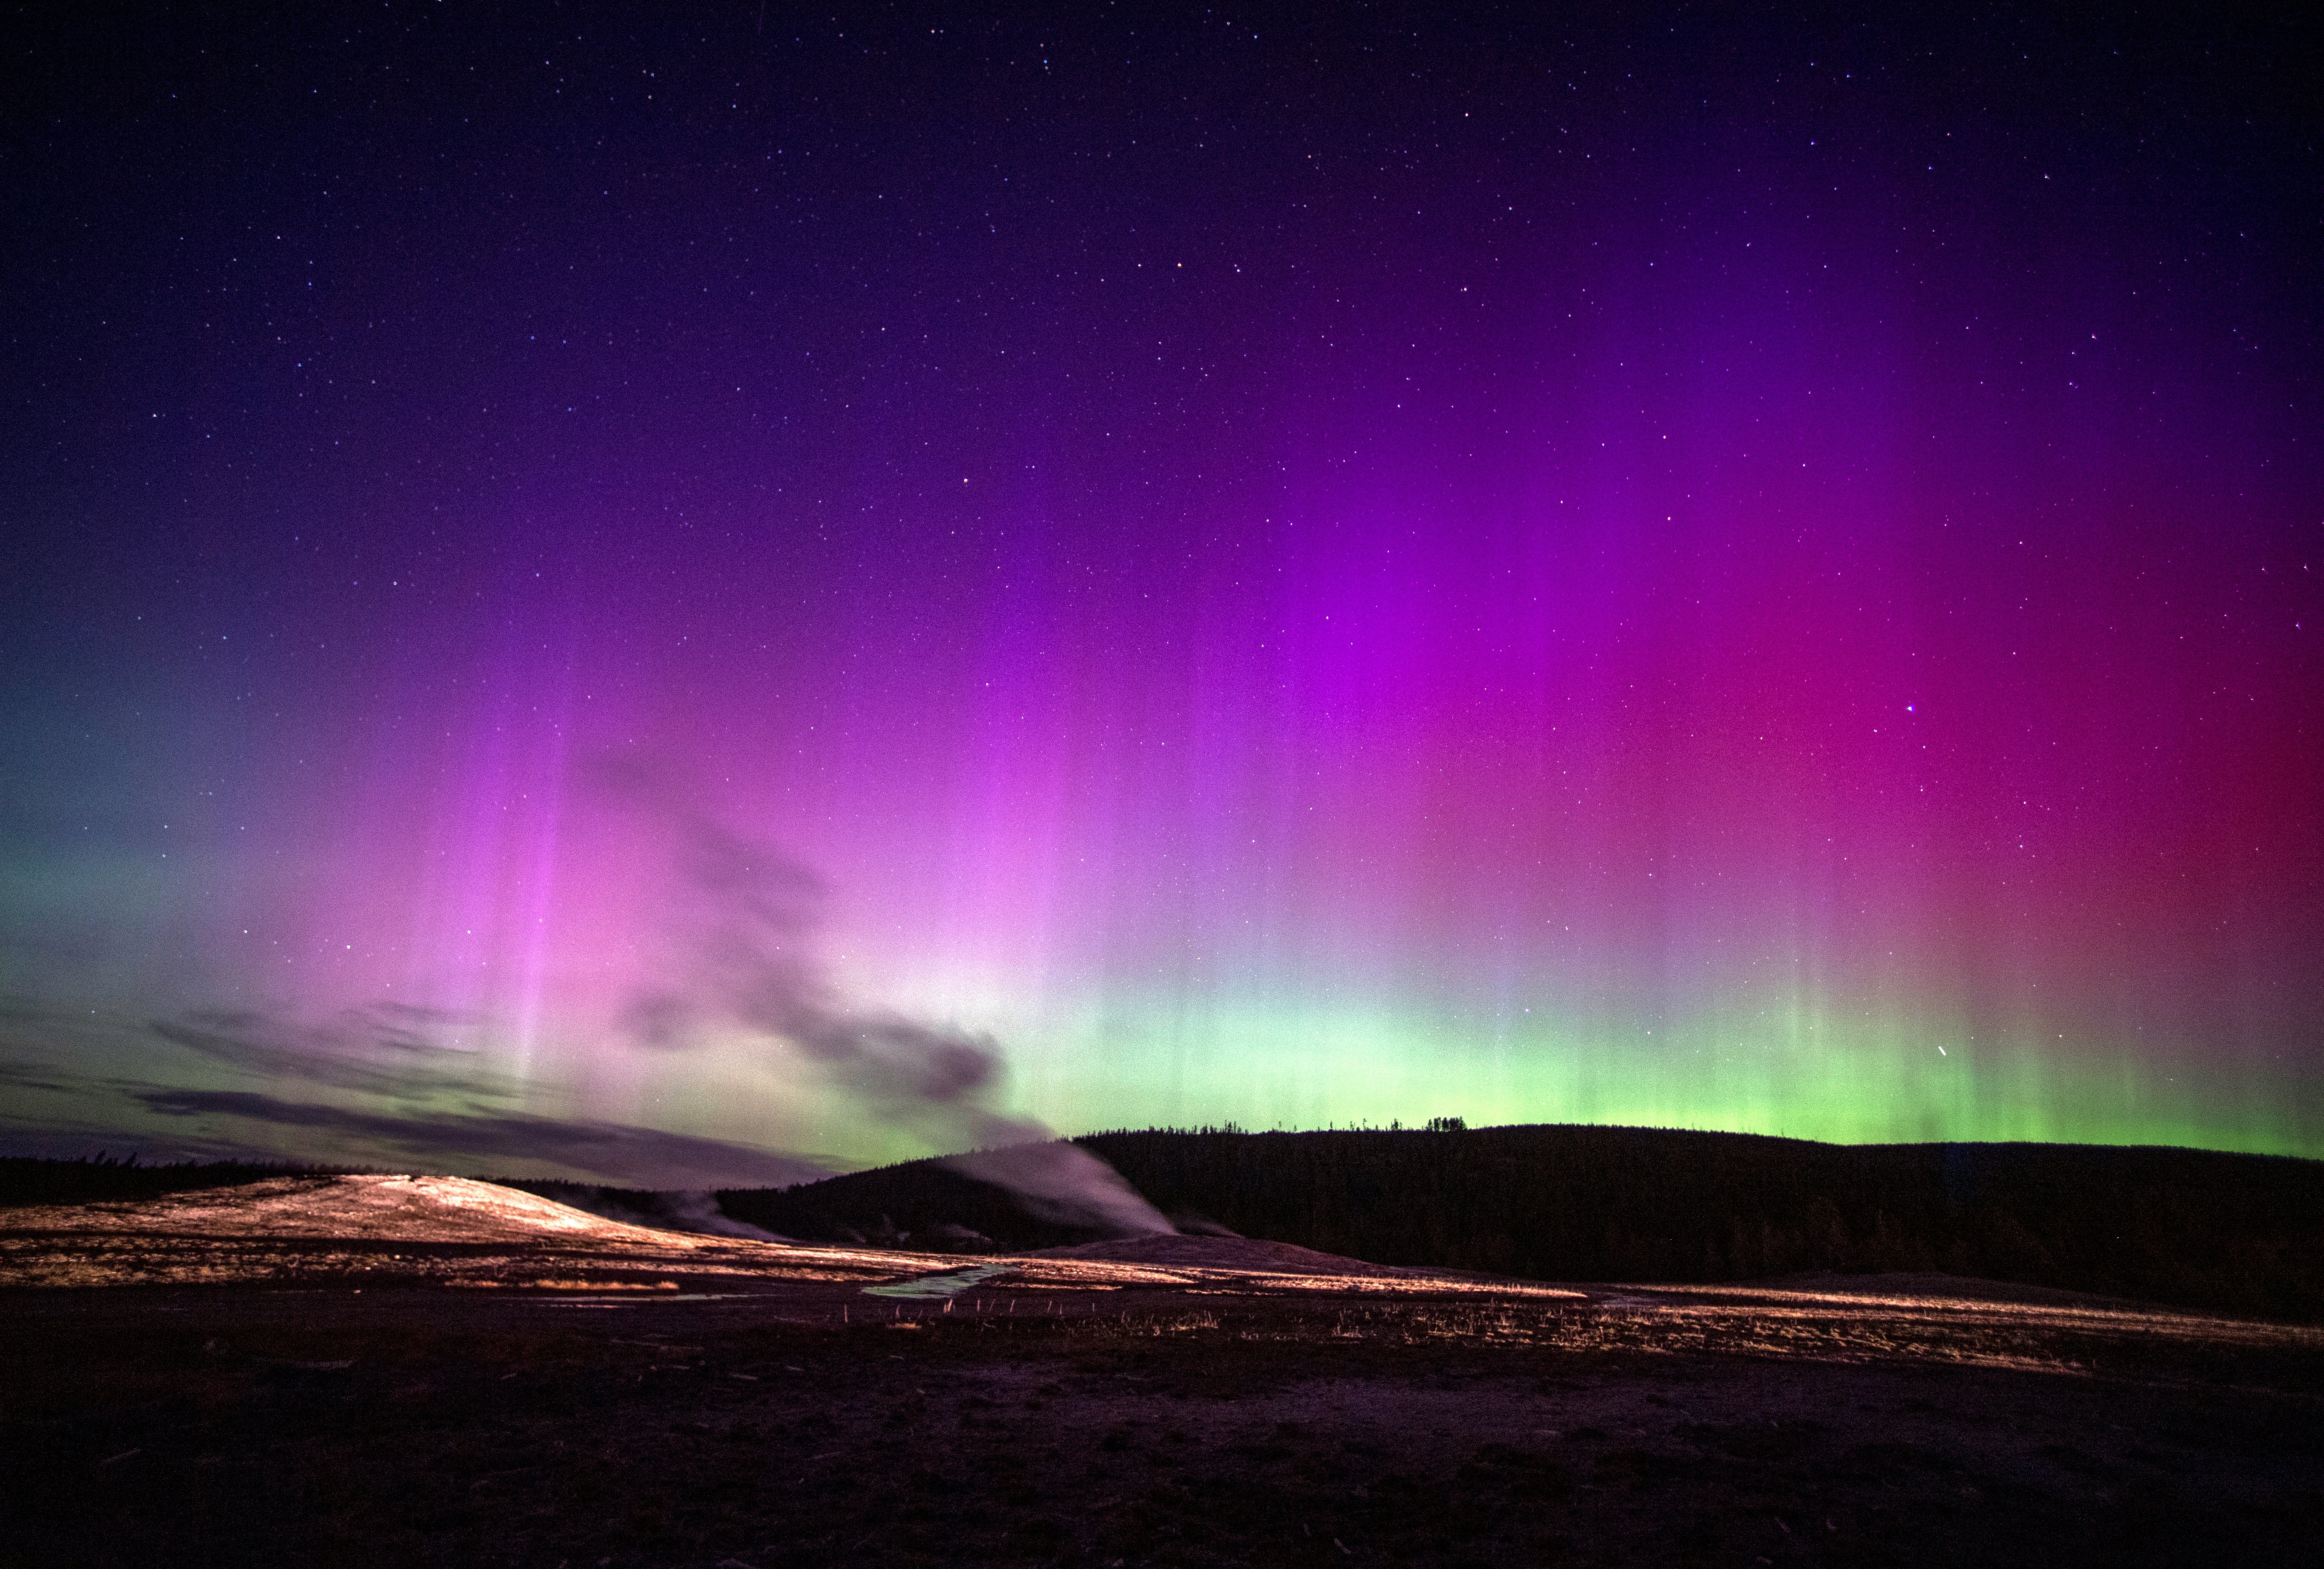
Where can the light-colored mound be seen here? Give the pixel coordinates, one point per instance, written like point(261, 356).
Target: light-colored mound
point(1178, 1250)
point(405, 1209)
point(441, 1230)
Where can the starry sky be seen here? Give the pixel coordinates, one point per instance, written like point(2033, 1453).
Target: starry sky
point(686, 594)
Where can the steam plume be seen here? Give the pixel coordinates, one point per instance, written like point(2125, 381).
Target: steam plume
point(752, 959)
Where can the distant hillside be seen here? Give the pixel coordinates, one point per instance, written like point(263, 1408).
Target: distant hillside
point(2199, 1228)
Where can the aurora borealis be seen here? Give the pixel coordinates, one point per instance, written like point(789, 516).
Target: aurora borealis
point(1751, 575)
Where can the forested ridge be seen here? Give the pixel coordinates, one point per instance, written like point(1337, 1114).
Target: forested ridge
point(2201, 1228)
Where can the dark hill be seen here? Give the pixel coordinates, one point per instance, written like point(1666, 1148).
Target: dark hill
point(922, 1204)
point(2196, 1228)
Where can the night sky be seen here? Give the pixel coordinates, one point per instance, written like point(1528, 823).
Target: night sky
point(662, 592)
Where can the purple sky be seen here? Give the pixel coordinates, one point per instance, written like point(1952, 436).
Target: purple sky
point(1743, 574)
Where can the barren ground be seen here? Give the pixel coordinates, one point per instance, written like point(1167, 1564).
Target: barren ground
point(423, 1375)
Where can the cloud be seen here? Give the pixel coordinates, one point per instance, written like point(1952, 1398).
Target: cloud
point(36, 1076)
point(607, 1151)
point(409, 1099)
point(52, 1140)
point(388, 1050)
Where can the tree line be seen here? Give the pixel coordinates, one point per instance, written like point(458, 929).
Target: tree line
point(2199, 1228)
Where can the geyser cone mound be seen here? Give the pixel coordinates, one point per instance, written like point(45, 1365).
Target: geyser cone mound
point(358, 1230)
point(404, 1209)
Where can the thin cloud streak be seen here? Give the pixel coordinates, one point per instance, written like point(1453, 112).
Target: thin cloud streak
point(609, 1151)
point(380, 1050)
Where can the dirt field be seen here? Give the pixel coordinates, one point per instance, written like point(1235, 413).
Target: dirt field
point(363, 1398)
